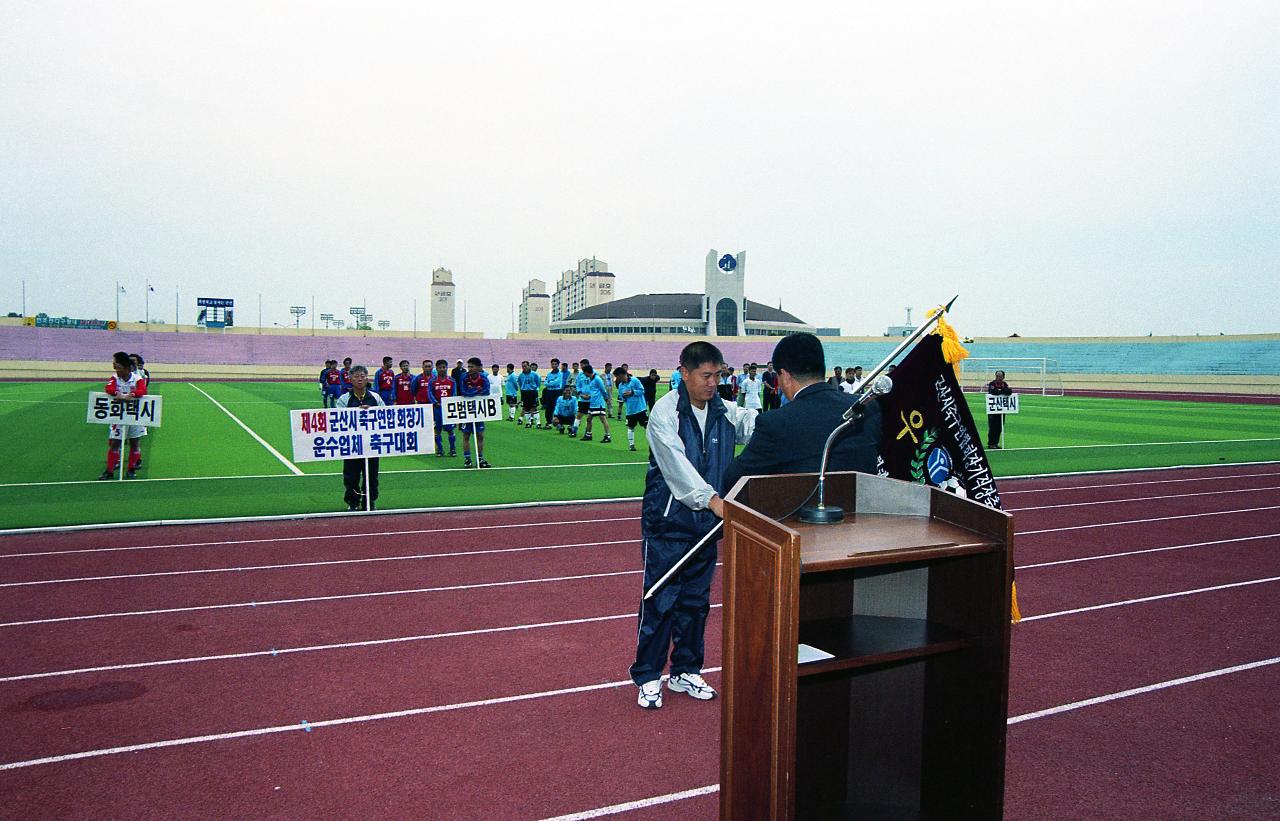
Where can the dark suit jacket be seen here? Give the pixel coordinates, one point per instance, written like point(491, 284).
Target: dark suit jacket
point(790, 439)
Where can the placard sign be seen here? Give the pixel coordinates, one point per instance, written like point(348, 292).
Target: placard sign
point(105, 409)
point(997, 405)
point(357, 433)
point(461, 410)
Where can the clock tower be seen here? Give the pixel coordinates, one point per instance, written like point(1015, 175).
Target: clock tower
point(724, 306)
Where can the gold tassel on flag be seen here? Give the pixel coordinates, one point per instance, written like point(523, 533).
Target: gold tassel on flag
point(952, 350)
point(1016, 613)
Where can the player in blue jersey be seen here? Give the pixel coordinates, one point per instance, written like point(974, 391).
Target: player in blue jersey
point(438, 387)
point(597, 404)
point(345, 373)
point(474, 383)
point(511, 387)
point(631, 392)
point(552, 387)
point(528, 382)
point(566, 409)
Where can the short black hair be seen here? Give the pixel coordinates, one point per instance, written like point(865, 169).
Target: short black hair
point(587, 369)
point(138, 357)
point(475, 360)
point(801, 355)
point(700, 353)
point(404, 362)
point(123, 358)
point(359, 369)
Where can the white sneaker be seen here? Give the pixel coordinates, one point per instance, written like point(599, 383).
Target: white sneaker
point(650, 695)
point(693, 684)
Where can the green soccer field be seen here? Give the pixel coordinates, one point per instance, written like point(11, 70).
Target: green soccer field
point(202, 463)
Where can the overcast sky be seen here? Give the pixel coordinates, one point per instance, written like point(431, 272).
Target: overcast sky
point(1081, 168)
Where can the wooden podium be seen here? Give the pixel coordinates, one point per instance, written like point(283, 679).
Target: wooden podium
point(910, 596)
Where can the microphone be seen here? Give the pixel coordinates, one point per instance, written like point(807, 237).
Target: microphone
point(878, 387)
point(822, 513)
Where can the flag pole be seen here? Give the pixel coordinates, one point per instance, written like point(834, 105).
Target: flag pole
point(906, 343)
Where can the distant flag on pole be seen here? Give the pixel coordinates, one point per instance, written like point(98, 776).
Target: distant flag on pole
point(929, 433)
point(122, 290)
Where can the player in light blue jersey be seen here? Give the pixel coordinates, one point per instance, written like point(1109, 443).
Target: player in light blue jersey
point(511, 390)
point(597, 403)
point(528, 382)
point(581, 389)
point(566, 410)
point(631, 392)
point(552, 387)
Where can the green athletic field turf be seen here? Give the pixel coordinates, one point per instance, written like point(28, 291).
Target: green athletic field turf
point(202, 464)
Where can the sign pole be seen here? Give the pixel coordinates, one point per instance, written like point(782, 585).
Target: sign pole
point(123, 431)
point(368, 502)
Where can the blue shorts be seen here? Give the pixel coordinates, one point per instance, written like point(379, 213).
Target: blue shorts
point(467, 426)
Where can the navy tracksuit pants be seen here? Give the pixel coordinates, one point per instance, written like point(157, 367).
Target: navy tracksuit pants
point(675, 618)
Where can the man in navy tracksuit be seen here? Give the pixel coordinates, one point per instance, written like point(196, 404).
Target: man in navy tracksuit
point(692, 433)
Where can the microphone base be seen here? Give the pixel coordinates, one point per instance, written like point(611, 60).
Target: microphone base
point(828, 515)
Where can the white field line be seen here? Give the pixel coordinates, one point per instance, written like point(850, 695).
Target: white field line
point(1148, 444)
point(330, 473)
point(668, 798)
point(1143, 599)
point(308, 726)
point(1141, 499)
point(1147, 521)
point(640, 804)
point(320, 537)
point(1107, 485)
point(1135, 552)
point(290, 465)
point(1150, 688)
point(325, 563)
point(283, 517)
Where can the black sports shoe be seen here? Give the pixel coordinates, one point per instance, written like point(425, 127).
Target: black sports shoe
point(130, 475)
point(633, 447)
point(106, 474)
point(485, 464)
point(586, 437)
point(453, 453)
point(352, 508)
point(606, 440)
point(466, 462)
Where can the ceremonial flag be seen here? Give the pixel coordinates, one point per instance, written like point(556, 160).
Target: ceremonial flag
point(929, 433)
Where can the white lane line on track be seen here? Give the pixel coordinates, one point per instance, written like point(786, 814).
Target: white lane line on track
point(1146, 521)
point(290, 465)
point(639, 804)
point(396, 640)
point(1145, 599)
point(329, 474)
point(1141, 499)
point(1135, 552)
point(657, 800)
point(418, 590)
point(1150, 688)
point(309, 726)
point(1147, 444)
point(326, 563)
point(312, 599)
point(1222, 478)
point(319, 537)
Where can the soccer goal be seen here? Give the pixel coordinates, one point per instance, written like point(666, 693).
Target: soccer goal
point(1028, 374)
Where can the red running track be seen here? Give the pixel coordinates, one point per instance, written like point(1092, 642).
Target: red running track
point(480, 673)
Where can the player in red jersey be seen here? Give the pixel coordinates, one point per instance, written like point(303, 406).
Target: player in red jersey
point(125, 383)
point(404, 384)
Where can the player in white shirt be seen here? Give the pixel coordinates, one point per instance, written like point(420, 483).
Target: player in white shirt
point(752, 388)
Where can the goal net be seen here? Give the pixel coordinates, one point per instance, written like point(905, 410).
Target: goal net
point(1025, 374)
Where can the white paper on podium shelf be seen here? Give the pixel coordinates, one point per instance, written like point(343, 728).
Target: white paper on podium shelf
point(808, 654)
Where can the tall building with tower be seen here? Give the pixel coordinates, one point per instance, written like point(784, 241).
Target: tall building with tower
point(588, 285)
point(535, 308)
point(722, 309)
point(442, 300)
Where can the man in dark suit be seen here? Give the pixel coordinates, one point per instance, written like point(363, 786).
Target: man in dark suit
point(790, 440)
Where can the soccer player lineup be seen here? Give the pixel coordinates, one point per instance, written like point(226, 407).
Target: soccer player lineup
point(225, 443)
